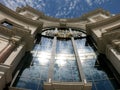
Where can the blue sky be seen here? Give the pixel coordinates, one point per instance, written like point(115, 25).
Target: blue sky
point(65, 8)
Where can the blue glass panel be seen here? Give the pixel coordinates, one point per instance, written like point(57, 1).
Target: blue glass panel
point(94, 72)
point(31, 72)
point(28, 83)
point(36, 47)
point(33, 76)
point(56, 74)
point(98, 74)
point(87, 73)
point(103, 85)
point(65, 68)
point(45, 44)
point(41, 84)
point(44, 72)
point(88, 63)
point(94, 86)
point(41, 61)
point(7, 24)
point(72, 63)
point(65, 74)
point(64, 46)
point(74, 70)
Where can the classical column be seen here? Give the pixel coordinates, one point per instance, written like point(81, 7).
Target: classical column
point(51, 67)
point(9, 48)
point(4, 48)
point(6, 52)
point(82, 75)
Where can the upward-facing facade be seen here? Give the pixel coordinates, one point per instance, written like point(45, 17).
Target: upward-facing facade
point(38, 52)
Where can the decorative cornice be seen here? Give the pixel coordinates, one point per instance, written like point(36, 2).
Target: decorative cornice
point(99, 10)
point(18, 16)
point(79, 29)
point(15, 40)
point(45, 17)
point(18, 9)
point(104, 22)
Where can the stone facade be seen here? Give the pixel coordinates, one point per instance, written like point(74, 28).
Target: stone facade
point(106, 34)
point(18, 30)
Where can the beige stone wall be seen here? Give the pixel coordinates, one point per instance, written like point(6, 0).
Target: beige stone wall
point(2, 81)
point(3, 44)
point(31, 28)
point(67, 86)
point(29, 14)
point(114, 57)
point(106, 34)
point(15, 57)
point(97, 17)
point(5, 75)
point(21, 35)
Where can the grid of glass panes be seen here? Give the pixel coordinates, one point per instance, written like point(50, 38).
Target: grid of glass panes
point(33, 76)
point(100, 76)
point(65, 68)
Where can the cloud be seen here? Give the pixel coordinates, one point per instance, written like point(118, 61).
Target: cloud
point(97, 2)
point(13, 4)
point(57, 8)
point(89, 2)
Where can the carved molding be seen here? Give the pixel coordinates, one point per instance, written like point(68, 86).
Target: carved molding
point(17, 33)
point(17, 16)
point(103, 22)
point(116, 44)
point(48, 18)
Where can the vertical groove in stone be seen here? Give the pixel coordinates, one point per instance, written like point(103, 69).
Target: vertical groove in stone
point(6, 52)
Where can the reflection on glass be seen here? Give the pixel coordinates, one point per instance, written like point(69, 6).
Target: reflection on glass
point(61, 62)
point(64, 46)
point(43, 61)
point(33, 76)
point(29, 83)
point(65, 68)
point(94, 72)
point(45, 44)
point(42, 58)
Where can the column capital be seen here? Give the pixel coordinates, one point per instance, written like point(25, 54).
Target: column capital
point(15, 40)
